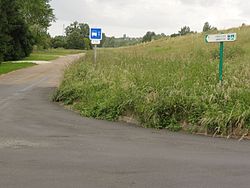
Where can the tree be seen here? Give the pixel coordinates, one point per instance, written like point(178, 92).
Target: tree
point(58, 42)
point(185, 30)
point(174, 35)
point(37, 12)
point(208, 27)
point(159, 36)
point(15, 38)
point(148, 36)
point(110, 42)
point(38, 15)
point(75, 41)
point(104, 38)
point(77, 36)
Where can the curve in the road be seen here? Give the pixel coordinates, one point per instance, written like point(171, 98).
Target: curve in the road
point(44, 145)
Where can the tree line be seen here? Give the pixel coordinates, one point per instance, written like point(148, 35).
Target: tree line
point(76, 37)
point(185, 30)
point(23, 24)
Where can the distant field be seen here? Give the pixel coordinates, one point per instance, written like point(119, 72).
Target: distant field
point(51, 54)
point(8, 67)
point(170, 83)
point(43, 55)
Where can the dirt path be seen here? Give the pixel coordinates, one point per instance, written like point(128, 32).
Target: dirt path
point(43, 145)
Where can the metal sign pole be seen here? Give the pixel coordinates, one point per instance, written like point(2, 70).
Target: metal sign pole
point(221, 62)
point(95, 54)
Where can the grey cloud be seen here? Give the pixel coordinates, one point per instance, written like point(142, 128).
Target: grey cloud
point(202, 3)
point(120, 16)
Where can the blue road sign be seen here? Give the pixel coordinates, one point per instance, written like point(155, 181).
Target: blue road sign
point(95, 34)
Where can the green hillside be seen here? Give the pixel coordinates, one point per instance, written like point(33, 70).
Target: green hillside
point(170, 83)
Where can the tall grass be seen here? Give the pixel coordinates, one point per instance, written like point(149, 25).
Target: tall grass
point(170, 83)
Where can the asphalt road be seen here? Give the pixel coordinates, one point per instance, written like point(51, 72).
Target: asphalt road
point(43, 145)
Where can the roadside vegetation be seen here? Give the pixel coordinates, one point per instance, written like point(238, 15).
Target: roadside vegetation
point(8, 67)
point(40, 55)
point(50, 54)
point(23, 25)
point(169, 83)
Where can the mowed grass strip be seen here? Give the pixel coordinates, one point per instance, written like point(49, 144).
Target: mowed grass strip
point(167, 84)
point(51, 54)
point(8, 67)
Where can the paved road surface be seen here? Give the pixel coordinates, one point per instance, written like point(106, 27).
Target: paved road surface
point(42, 145)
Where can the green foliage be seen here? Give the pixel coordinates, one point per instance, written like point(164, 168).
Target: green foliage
point(170, 84)
point(50, 54)
point(58, 42)
point(37, 12)
point(148, 36)
point(77, 36)
point(185, 30)
point(208, 27)
point(174, 35)
point(75, 41)
point(112, 42)
point(38, 15)
point(41, 38)
point(15, 37)
point(8, 67)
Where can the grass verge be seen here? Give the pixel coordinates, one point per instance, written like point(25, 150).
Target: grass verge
point(8, 67)
point(170, 83)
point(51, 54)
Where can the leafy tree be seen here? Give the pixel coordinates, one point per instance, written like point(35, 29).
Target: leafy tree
point(75, 41)
point(174, 35)
point(104, 38)
point(159, 36)
point(77, 36)
point(184, 30)
point(41, 38)
point(112, 42)
point(87, 44)
point(15, 38)
point(58, 42)
point(38, 14)
point(208, 27)
point(148, 36)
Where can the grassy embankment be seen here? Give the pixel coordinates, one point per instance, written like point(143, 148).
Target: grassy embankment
point(170, 83)
point(8, 67)
point(44, 55)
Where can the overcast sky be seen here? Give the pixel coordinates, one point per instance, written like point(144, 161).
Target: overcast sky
point(136, 17)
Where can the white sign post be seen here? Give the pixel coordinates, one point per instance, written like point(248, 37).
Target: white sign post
point(221, 38)
point(95, 37)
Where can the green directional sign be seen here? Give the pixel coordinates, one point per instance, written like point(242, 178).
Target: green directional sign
point(221, 38)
